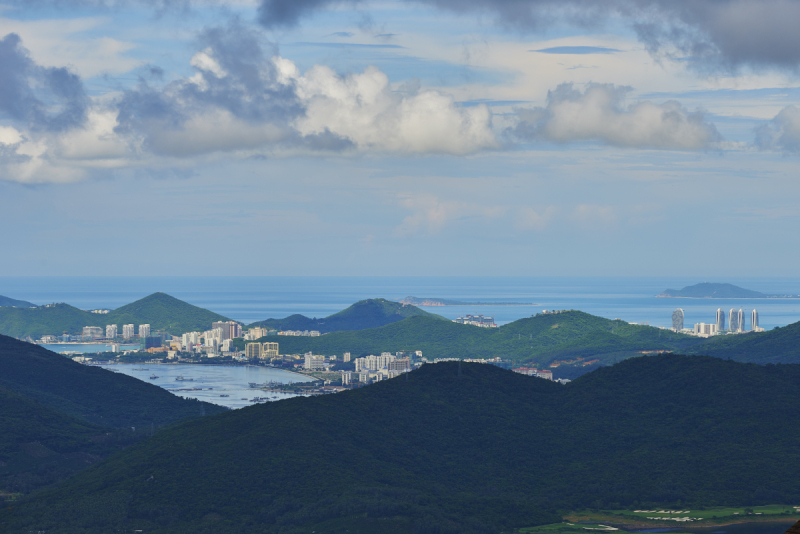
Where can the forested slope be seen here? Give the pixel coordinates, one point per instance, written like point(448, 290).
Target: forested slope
point(455, 447)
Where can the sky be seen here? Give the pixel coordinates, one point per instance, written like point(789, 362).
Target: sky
point(434, 137)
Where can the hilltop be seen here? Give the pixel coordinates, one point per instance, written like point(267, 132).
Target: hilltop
point(159, 310)
point(708, 290)
point(8, 301)
point(164, 312)
point(453, 447)
point(370, 313)
point(90, 393)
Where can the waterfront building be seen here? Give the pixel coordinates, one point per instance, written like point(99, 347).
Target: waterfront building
point(733, 321)
point(144, 330)
point(740, 321)
point(115, 347)
point(314, 362)
point(720, 320)
point(92, 332)
point(677, 320)
point(127, 331)
point(269, 350)
point(213, 336)
point(252, 351)
point(111, 331)
point(754, 320)
point(230, 329)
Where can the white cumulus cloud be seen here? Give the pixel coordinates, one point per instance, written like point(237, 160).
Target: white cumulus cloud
point(600, 113)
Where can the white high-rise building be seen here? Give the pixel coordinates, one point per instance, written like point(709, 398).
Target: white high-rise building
point(314, 362)
point(733, 321)
point(346, 357)
point(740, 321)
point(720, 320)
point(127, 331)
point(754, 320)
point(144, 330)
point(677, 320)
point(111, 331)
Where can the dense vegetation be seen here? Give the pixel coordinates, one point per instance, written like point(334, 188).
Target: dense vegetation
point(363, 314)
point(90, 393)
point(159, 310)
point(541, 339)
point(712, 290)
point(8, 301)
point(780, 345)
point(453, 448)
point(39, 445)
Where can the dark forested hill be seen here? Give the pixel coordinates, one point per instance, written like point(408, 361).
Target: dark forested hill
point(708, 290)
point(159, 310)
point(453, 447)
point(8, 301)
point(363, 314)
point(90, 393)
point(40, 445)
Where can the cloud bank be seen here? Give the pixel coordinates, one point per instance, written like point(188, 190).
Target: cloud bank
point(599, 113)
point(242, 98)
point(728, 33)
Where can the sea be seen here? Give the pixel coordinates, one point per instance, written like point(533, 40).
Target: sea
point(251, 299)
point(226, 385)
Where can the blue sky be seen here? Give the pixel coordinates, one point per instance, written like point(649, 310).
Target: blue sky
point(267, 137)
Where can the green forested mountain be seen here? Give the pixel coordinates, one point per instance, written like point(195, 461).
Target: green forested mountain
point(54, 319)
point(453, 448)
point(707, 290)
point(8, 301)
point(164, 312)
point(159, 310)
point(541, 339)
point(780, 345)
point(369, 313)
point(90, 393)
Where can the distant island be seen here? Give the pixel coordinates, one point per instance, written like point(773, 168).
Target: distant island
point(416, 301)
point(708, 290)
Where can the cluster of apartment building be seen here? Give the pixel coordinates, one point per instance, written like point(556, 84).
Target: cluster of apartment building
point(532, 371)
point(111, 332)
point(218, 339)
point(373, 368)
point(477, 320)
point(307, 333)
point(736, 323)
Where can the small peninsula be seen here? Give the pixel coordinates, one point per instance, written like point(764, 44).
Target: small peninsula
point(708, 290)
point(416, 301)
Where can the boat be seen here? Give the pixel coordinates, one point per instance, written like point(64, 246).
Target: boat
point(224, 395)
point(153, 376)
point(181, 379)
point(140, 369)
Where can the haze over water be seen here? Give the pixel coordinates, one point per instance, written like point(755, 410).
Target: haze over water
point(250, 299)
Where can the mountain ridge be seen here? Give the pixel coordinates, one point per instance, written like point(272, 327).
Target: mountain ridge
point(364, 314)
point(470, 448)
